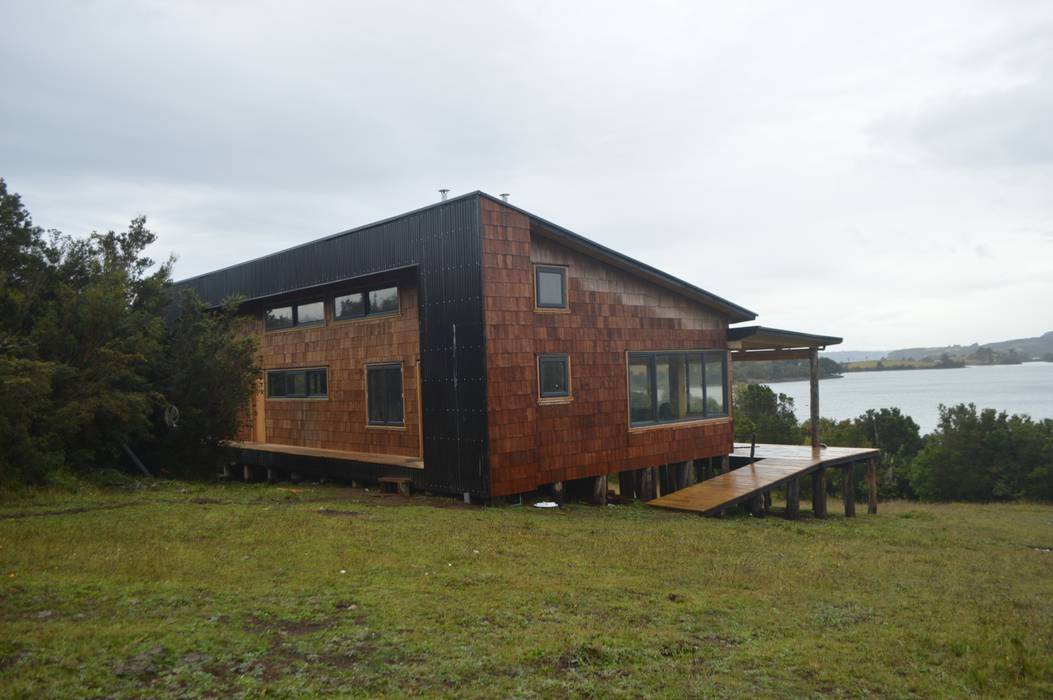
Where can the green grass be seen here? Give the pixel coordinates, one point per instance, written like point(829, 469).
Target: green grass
point(238, 591)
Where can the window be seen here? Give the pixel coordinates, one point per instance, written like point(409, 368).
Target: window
point(308, 314)
point(297, 384)
point(349, 306)
point(666, 387)
point(384, 394)
point(550, 286)
point(553, 373)
point(375, 302)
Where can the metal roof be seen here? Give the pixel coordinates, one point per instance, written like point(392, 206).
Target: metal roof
point(223, 281)
point(764, 338)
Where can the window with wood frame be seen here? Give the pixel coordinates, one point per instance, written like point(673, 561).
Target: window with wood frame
point(372, 302)
point(553, 372)
point(311, 313)
point(667, 387)
point(309, 383)
point(384, 394)
point(550, 286)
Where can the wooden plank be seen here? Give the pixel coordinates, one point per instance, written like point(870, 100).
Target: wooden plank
point(768, 355)
point(369, 457)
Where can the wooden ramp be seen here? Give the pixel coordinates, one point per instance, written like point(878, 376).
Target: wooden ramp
point(775, 465)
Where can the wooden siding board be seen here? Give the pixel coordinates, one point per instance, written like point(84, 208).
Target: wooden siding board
point(611, 312)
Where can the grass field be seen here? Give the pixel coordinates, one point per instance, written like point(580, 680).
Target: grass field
point(267, 591)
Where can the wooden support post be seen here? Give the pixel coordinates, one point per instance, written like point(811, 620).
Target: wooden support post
point(647, 484)
point(767, 501)
point(627, 484)
point(872, 486)
point(687, 474)
point(793, 499)
point(756, 505)
point(725, 464)
point(599, 490)
point(272, 475)
point(813, 363)
point(707, 469)
point(848, 489)
point(246, 471)
point(819, 493)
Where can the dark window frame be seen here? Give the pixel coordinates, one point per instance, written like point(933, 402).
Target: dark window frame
point(295, 308)
point(367, 312)
point(306, 371)
point(546, 268)
point(562, 358)
point(370, 396)
point(651, 359)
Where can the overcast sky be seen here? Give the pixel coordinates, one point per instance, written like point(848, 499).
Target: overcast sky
point(879, 171)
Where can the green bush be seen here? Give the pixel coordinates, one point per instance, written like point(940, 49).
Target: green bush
point(983, 456)
point(87, 362)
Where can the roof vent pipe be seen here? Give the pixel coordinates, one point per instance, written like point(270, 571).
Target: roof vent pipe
point(443, 193)
point(505, 196)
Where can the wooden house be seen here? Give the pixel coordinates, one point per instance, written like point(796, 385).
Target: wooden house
point(478, 349)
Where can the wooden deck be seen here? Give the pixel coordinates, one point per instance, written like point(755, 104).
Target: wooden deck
point(775, 465)
point(367, 457)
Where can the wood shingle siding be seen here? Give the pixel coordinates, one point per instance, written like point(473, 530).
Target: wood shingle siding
point(344, 348)
point(611, 312)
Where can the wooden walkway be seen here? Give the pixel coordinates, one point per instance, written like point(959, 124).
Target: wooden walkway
point(775, 465)
point(368, 457)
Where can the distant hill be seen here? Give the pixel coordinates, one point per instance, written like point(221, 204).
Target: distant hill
point(1025, 348)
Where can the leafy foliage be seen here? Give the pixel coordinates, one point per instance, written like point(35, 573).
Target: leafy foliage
point(985, 455)
point(86, 359)
point(763, 415)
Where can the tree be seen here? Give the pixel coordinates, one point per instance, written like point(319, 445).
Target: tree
point(763, 415)
point(85, 354)
point(985, 455)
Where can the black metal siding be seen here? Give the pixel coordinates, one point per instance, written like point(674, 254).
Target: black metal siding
point(444, 242)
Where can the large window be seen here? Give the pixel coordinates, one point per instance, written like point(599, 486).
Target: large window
point(297, 384)
point(308, 314)
point(553, 373)
point(384, 394)
point(550, 286)
point(665, 387)
point(374, 302)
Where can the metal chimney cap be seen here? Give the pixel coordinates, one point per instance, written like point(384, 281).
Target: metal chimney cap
point(443, 193)
point(504, 196)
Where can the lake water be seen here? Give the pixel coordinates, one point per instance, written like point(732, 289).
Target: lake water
point(1026, 388)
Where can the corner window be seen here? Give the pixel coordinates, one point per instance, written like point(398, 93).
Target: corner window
point(374, 302)
point(384, 394)
point(308, 314)
point(297, 384)
point(553, 373)
point(550, 286)
point(665, 387)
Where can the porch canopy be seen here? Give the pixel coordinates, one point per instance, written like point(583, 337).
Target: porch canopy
point(760, 343)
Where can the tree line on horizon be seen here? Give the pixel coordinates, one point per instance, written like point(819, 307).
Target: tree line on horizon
point(973, 455)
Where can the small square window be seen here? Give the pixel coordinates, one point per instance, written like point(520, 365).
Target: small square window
point(349, 306)
point(384, 301)
point(550, 282)
point(279, 318)
point(553, 376)
point(307, 314)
